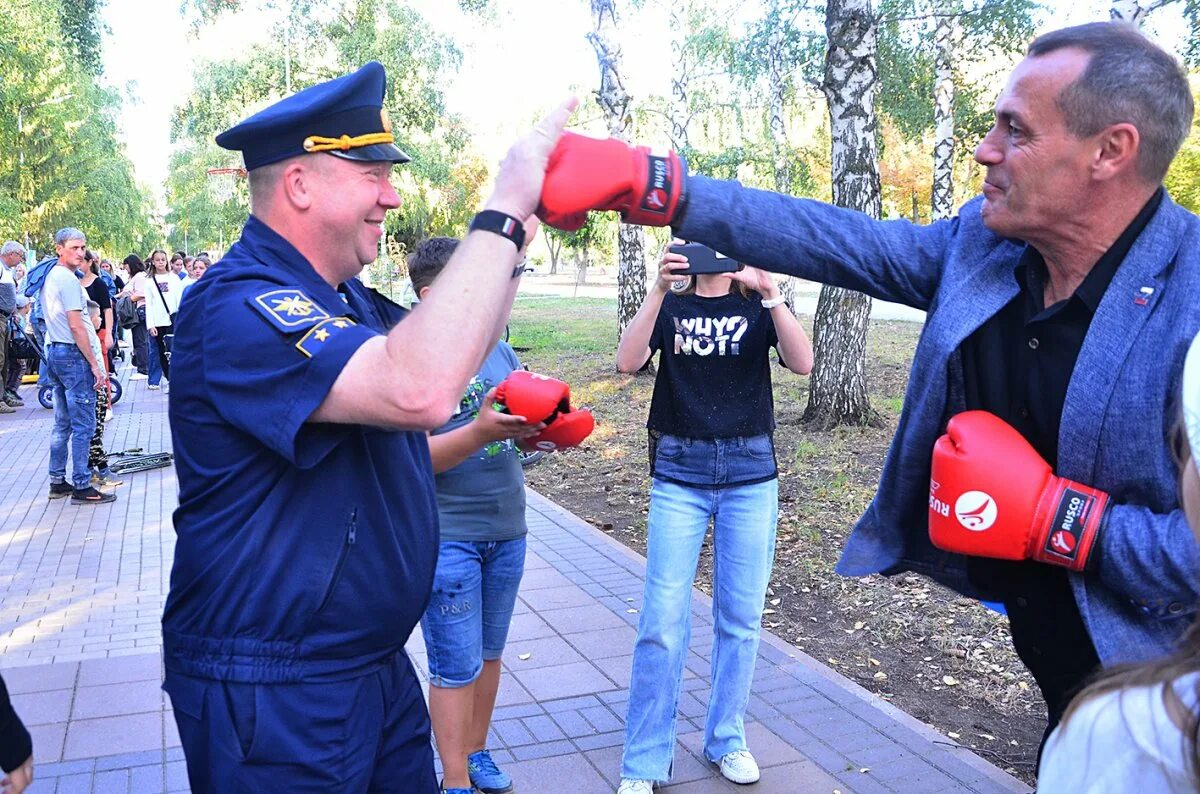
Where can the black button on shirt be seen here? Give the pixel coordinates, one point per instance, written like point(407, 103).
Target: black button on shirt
point(1018, 366)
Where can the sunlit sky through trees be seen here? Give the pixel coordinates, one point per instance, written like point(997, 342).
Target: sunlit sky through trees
point(529, 55)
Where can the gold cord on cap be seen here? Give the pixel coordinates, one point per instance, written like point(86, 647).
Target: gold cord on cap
point(315, 143)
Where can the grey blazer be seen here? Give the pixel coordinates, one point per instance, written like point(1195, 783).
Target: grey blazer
point(1121, 403)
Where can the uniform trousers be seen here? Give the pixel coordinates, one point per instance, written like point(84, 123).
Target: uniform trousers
point(366, 734)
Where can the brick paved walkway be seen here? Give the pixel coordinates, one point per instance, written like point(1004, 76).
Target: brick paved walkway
point(82, 588)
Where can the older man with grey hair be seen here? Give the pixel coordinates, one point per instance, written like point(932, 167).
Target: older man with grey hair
point(73, 371)
point(1061, 304)
point(12, 254)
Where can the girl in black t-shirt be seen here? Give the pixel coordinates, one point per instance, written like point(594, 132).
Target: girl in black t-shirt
point(712, 458)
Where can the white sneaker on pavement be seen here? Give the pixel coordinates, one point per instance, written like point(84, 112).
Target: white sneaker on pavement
point(631, 786)
point(739, 767)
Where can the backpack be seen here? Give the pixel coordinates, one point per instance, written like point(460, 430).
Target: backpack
point(125, 312)
point(36, 277)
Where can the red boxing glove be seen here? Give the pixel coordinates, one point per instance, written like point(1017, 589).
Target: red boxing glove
point(568, 430)
point(992, 495)
point(542, 399)
point(535, 397)
point(608, 174)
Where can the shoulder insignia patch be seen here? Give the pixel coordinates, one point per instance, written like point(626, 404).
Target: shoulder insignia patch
point(288, 309)
point(311, 343)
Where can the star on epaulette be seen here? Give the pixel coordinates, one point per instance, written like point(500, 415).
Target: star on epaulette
point(319, 335)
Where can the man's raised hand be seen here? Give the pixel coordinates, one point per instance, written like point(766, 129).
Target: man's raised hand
point(519, 183)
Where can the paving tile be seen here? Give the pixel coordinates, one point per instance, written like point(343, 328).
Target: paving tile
point(564, 680)
point(541, 652)
point(176, 775)
point(578, 619)
point(113, 735)
point(114, 781)
point(48, 741)
point(543, 728)
point(528, 626)
point(74, 784)
point(146, 780)
point(43, 708)
point(97, 672)
point(124, 760)
point(111, 700)
point(39, 678)
point(531, 776)
point(603, 643)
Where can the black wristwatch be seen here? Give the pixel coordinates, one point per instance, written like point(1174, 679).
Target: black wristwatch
point(501, 224)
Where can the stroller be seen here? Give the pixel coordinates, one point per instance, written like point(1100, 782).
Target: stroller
point(22, 345)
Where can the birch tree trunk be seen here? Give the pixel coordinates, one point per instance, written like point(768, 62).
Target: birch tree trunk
point(614, 101)
point(679, 78)
point(838, 389)
point(945, 38)
point(1133, 11)
point(777, 76)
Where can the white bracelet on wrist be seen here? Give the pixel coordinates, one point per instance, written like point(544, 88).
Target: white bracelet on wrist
point(771, 303)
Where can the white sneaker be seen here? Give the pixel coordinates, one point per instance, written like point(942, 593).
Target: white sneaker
point(153, 386)
point(631, 786)
point(108, 415)
point(739, 767)
point(138, 376)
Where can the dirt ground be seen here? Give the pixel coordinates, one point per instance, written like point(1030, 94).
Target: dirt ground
point(946, 660)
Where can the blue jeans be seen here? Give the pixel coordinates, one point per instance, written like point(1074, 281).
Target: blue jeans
point(744, 519)
point(67, 371)
point(154, 362)
point(474, 592)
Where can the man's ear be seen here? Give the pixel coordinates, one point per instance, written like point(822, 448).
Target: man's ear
point(1117, 150)
point(301, 182)
point(423, 293)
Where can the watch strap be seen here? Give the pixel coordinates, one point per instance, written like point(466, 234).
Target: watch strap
point(501, 224)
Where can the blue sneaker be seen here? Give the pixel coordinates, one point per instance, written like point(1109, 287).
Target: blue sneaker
point(486, 776)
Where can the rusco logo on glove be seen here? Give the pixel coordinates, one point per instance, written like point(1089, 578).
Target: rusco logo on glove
point(937, 505)
point(975, 510)
point(658, 185)
point(1074, 509)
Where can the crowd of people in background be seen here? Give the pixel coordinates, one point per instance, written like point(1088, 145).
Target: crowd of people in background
point(129, 305)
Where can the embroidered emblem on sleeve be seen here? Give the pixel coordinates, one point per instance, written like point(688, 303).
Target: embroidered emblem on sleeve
point(319, 335)
point(288, 309)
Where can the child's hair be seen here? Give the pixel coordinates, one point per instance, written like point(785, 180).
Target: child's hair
point(1163, 672)
point(428, 259)
point(92, 306)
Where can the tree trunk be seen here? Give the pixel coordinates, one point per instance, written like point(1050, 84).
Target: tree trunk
point(614, 100)
point(555, 248)
point(945, 38)
point(1133, 11)
point(778, 126)
point(679, 78)
point(838, 389)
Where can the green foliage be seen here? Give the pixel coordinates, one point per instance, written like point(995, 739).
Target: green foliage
point(1183, 180)
point(60, 162)
point(906, 58)
point(440, 188)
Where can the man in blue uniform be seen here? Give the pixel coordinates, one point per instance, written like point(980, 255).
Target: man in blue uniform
point(307, 531)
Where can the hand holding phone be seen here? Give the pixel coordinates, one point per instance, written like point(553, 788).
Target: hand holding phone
point(703, 260)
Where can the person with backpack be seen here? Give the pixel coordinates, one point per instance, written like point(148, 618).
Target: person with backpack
point(135, 291)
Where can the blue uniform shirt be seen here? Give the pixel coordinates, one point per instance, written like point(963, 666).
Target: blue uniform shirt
point(305, 551)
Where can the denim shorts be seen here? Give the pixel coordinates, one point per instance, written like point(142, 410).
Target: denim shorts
point(466, 622)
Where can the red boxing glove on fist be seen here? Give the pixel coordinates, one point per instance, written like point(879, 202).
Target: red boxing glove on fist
point(586, 174)
point(992, 495)
point(542, 399)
